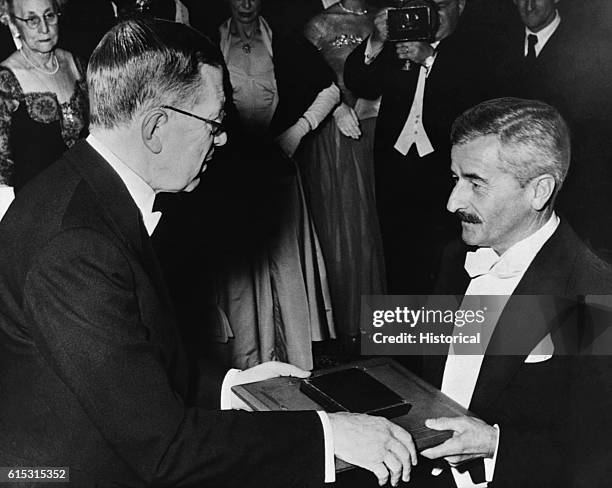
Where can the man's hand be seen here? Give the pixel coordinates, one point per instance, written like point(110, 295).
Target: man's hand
point(375, 444)
point(347, 121)
point(472, 438)
point(263, 371)
point(417, 52)
point(380, 33)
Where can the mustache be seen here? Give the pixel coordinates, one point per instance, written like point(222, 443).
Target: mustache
point(467, 217)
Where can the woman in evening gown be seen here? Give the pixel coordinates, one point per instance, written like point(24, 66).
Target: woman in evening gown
point(276, 303)
point(43, 99)
point(337, 165)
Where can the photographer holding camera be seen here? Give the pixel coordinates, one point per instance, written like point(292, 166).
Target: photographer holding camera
point(427, 73)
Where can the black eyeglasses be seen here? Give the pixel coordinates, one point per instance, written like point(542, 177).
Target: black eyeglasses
point(34, 21)
point(218, 128)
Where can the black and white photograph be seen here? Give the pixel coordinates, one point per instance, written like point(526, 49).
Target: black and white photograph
point(306, 243)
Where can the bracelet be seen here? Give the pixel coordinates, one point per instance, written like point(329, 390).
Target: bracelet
point(310, 128)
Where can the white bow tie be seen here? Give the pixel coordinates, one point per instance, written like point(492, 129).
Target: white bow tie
point(485, 260)
point(480, 261)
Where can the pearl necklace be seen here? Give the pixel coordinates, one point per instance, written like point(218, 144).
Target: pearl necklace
point(52, 72)
point(354, 12)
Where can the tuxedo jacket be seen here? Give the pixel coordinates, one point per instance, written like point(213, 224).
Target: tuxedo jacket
point(454, 84)
point(573, 72)
point(551, 414)
point(92, 370)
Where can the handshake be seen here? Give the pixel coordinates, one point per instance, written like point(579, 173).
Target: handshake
point(376, 444)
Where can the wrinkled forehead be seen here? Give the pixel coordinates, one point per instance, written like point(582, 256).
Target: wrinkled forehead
point(35, 6)
point(480, 154)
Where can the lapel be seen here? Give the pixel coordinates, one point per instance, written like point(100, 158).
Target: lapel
point(524, 327)
point(452, 280)
point(121, 212)
point(553, 49)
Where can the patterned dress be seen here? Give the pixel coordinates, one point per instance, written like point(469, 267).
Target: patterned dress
point(35, 128)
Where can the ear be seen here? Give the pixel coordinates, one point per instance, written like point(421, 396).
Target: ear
point(461, 6)
point(150, 130)
point(542, 190)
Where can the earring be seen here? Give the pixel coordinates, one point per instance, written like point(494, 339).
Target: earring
point(14, 32)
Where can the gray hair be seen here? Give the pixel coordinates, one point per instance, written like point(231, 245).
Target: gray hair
point(7, 7)
point(143, 63)
point(534, 138)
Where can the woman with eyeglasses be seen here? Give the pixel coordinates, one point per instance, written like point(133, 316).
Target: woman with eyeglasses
point(43, 99)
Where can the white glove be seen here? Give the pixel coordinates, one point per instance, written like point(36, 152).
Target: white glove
point(326, 100)
point(263, 371)
point(347, 121)
point(291, 138)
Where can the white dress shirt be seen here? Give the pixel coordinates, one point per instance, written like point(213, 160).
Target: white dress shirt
point(144, 197)
point(543, 35)
point(413, 131)
point(499, 275)
point(7, 195)
point(142, 194)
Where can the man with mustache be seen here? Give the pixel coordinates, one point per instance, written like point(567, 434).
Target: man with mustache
point(543, 420)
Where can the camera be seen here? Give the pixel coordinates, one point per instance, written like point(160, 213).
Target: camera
point(412, 20)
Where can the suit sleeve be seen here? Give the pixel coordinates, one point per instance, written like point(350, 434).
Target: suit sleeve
point(365, 80)
point(80, 297)
point(534, 426)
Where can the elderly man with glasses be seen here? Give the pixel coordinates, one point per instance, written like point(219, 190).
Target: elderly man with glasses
point(93, 372)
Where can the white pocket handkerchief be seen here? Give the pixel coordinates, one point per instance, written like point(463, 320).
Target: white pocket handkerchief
point(542, 352)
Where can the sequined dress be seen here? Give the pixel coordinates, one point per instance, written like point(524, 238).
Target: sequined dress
point(339, 179)
point(35, 128)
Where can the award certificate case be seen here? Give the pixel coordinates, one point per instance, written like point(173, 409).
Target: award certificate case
point(426, 401)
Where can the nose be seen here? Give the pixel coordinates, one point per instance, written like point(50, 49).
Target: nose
point(246, 4)
point(221, 139)
point(43, 27)
point(457, 198)
point(530, 5)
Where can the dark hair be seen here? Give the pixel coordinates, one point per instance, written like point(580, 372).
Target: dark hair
point(534, 138)
point(143, 63)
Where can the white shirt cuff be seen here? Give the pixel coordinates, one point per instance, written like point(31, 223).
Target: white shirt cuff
point(489, 463)
point(328, 437)
point(370, 52)
point(7, 195)
point(226, 389)
point(330, 465)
